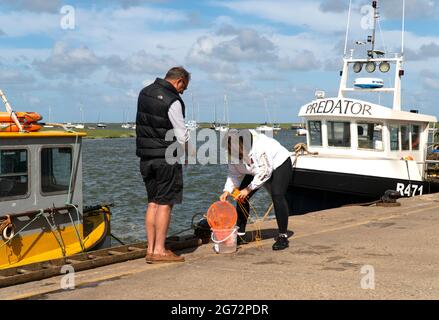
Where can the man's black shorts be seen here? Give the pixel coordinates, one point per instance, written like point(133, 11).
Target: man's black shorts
point(163, 181)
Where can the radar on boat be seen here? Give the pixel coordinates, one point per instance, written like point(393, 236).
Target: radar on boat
point(369, 83)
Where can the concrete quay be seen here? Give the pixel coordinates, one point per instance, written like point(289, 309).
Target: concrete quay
point(345, 253)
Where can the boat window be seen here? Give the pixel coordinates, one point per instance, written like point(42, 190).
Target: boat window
point(394, 138)
point(405, 138)
point(339, 134)
point(370, 136)
point(415, 137)
point(315, 133)
point(13, 173)
point(56, 164)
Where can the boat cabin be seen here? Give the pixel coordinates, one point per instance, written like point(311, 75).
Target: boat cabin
point(36, 170)
point(41, 201)
point(358, 128)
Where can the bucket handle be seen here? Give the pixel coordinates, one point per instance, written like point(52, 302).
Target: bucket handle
point(235, 229)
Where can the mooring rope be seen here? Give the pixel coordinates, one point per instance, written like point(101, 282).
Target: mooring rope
point(53, 229)
point(38, 215)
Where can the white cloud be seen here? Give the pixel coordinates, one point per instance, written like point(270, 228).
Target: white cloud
point(9, 76)
point(73, 62)
point(33, 5)
point(142, 62)
point(306, 14)
point(302, 61)
point(17, 24)
point(246, 45)
point(430, 80)
point(392, 9)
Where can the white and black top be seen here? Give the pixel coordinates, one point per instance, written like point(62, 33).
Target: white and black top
point(265, 156)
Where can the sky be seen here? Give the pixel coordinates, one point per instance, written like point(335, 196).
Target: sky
point(268, 57)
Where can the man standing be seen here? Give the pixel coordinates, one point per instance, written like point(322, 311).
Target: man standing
point(160, 109)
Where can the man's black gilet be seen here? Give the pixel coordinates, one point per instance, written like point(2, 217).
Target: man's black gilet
point(152, 121)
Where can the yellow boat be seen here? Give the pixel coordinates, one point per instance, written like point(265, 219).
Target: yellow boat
point(41, 203)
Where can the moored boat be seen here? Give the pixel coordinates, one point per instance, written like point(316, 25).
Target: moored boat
point(42, 216)
point(356, 149)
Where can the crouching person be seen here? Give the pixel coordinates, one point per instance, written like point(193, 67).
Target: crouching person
point(256, 160)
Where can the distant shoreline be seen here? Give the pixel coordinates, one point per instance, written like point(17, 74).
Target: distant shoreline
point(114, 131)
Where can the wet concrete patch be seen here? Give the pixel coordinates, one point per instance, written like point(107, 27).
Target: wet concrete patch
point(379, 224)
point(331, 259)
point(378, 254)
point(272, 261)
point(307, 252)
point(334, 269)
point(350, 265)
point(94, 284)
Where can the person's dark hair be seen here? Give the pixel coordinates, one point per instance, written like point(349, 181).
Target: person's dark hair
point(245, 141)
point(178, 73)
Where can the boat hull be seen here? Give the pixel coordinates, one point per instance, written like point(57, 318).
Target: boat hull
point(44, 244)
point(314, 190)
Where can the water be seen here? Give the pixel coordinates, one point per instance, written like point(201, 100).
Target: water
point(111, 175)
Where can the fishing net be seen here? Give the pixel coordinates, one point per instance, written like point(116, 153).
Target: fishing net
point(222, 215)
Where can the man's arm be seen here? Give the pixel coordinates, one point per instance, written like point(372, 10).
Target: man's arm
point(175, 115)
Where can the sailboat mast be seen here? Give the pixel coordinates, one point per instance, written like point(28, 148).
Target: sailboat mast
point(81, 113)
point(267, 112)
point(193, 106)
point(225, 108)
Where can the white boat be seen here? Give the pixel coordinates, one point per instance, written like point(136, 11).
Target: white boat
point(191, 125)
point(264, 128)
point(276, 127)
point(225, 126)
point(101, 125)
point(81, 124)
point(301, 132)
point(222, 128)
point(49, 124)
point(359, 149)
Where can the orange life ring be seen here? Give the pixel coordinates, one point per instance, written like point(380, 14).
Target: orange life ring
point(22, 116)
point(12, 127)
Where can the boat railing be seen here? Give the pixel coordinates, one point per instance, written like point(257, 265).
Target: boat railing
point(431, 171)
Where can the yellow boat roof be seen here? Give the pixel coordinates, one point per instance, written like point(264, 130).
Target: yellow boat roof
point(41, 134)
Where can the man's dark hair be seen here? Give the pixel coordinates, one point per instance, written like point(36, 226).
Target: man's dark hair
point(178, 73)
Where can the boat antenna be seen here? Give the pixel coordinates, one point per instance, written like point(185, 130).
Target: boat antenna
point(347, 28)
point(375, 16)
point(403, 27)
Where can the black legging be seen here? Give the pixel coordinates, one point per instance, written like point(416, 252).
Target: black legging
point(277, 186)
